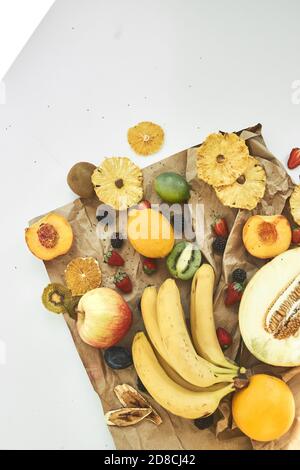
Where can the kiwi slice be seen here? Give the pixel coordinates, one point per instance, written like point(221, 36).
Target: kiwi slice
point(184, 260)
point(56, 298)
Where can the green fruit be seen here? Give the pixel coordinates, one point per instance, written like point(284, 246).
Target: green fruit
point(172, 187)
point(79, 179)
point(56, 298)
point(184, 260)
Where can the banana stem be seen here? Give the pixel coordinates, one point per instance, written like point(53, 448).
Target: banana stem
point(225, 391)
point(222, 371)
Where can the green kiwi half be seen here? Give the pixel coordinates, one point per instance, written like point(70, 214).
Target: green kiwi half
point(184, 260)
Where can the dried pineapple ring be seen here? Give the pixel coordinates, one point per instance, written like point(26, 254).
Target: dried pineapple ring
point(145, 138)
point(221, 159)
point(247, 190)
point(118, 182)
point(295, 204)
point(83, 275)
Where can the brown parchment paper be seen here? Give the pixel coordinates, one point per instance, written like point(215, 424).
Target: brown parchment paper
point(177, 433)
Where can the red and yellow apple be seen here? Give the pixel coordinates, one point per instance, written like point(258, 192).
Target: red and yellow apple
point(103, 318)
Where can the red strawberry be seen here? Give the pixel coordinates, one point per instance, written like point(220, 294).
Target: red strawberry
point(113, 258)
point(294, 159)
point(143, 205)
point(123, 282)
point(234, 293)
point(296, 235)
point(220, 227)
point(149, 266)
point(224, 338)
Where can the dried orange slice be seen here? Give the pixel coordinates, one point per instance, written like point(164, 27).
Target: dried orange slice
point(145, 138)
point(83, 275)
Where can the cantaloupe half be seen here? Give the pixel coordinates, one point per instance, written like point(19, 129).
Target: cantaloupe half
point(269, 314)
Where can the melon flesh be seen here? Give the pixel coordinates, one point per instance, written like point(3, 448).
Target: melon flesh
point(272, 282)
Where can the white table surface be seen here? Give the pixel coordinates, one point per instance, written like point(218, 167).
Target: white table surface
point(91, 70)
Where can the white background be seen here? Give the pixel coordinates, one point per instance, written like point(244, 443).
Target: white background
point(91, 70)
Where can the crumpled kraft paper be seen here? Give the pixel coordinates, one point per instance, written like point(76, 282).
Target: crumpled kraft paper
point(177, 433)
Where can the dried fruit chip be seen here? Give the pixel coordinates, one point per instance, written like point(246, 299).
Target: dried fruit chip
point(221, 159)
point(118, 182)
point(71, 307)
point(145, 138)
point(247, 190)
point(131, 398)
point(56, 298)
point(126, 416)
point(295, 204)
point(83, 275)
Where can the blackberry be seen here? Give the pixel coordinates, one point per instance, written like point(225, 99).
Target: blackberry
point(116, 240)
point(239, 275)
point(219, 245)
point(141, 386)
point(205, 422)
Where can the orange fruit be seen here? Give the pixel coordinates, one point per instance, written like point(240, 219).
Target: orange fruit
point(83, 275)
point(265, 410)
point(150, 233)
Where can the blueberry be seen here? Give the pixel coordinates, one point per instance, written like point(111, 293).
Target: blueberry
point(117, 357)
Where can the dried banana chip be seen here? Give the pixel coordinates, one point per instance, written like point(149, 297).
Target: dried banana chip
point(130, 397)
point(221, 159)
point(126, 416)
point(145, 138)
point(247, 190)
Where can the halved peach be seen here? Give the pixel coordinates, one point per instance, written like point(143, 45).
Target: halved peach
point(266, 236)
point(49, 237)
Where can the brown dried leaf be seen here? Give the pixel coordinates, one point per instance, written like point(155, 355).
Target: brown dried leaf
point(130, 397)
point(126, 416)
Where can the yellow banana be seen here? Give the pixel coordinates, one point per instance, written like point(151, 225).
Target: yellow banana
point(168, 394)
point(181, 353)
point(149, 314)
point(180, 381)
point(202, 318)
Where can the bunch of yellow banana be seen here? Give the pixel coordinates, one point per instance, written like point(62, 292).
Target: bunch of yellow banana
point(187, 379)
